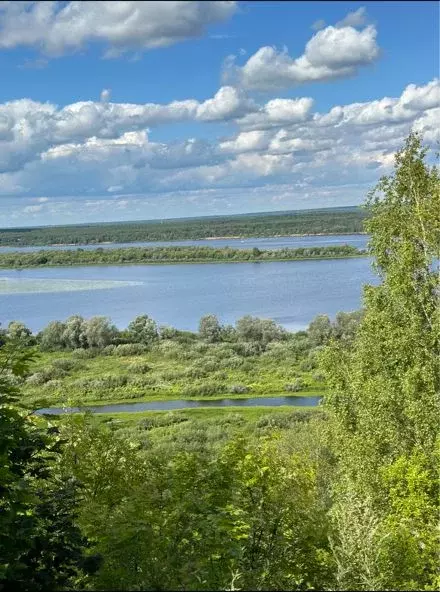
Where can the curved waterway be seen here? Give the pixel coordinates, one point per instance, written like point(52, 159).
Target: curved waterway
point(186, 404)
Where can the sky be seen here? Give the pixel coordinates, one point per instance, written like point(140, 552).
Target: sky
point(143, 110)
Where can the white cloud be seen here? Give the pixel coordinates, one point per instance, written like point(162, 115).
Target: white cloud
point(29, 128)
point(334, 52)
point(32, 209)
point(98, 149)
point(318, 25)
point(105, 95)
point(227, 103)
point(57, 27)
point(246, 142)
point(357, 18)
point(278, 112)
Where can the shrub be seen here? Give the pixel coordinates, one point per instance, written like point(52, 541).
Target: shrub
point(139, 367)
point(37, 379)
point(67, 364)
point(197, 372)
point(204, 389)
point(239, 389)
point(296, 386)
point(109, 350)
point(130, 349)
point(85, 354)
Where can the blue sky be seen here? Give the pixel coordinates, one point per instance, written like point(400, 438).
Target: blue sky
point(140, 110)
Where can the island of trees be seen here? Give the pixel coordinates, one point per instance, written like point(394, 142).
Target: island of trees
point(150, 255)
point(326, 221)
point(345, 497)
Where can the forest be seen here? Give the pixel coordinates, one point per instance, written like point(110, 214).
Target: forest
point(344, 496)
point(149, 255)
point(326, 221)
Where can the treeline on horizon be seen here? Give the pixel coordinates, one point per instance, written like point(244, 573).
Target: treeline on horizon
point(332, 221)
point(148, 255)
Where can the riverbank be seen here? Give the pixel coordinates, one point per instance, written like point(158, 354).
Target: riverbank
point(329, 221)
point(172, 256)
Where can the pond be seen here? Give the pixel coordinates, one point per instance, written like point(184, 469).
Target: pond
point(296, 401)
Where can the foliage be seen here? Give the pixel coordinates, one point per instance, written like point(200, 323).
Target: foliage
point(331, 221)
point(210, 328)
point(40, 546)
point(153, 255)
point(142, 330)
point(385, 393)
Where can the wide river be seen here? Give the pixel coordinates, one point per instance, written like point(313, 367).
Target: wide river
point(292, 292)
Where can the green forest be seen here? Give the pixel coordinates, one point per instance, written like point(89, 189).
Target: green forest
point(328, 221)
point(343, 496)
point(149, 255)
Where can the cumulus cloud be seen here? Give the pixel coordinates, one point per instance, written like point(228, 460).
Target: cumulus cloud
point(57, 27)
point(106, 148)
point(277, 112)
point(333, 52)
point(29, 128)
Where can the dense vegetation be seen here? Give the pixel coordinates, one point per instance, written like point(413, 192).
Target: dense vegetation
point(327, 221)
point(84, 361)
point(150, 255)
point(346, 498)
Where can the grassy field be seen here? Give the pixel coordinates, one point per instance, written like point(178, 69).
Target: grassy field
point(168, 371)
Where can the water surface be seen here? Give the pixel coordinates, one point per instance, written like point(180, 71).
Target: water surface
point(186, 404)
point(292, 242)
point(290, 292)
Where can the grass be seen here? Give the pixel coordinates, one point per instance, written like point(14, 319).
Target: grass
point(168, 372)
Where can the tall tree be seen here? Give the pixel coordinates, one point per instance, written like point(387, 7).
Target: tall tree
point(40, 546)
point(384, 392)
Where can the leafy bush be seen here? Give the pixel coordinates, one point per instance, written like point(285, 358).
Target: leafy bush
point(109, 350)
point(204, 389)
point(130, 349)
point(67, 364)
point(239, 389)
point(37, 379)
point(85, 354)
point(139, 367)
point(296, 386)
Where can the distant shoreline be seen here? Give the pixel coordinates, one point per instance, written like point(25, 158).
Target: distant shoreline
point(209, 238)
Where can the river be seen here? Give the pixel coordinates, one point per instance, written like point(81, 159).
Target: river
point(172, 405)
point(292, 242)
point(290, 292)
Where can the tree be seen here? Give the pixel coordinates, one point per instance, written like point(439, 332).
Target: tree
point(384, 393)
point(143, 330)
point(51, 338)
point(210, 329)
point(346, 325)
point(74, 335)
point(19, 332)
point(262, 331)
point(99, 332)
point(320, 330)
point(40, 546)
